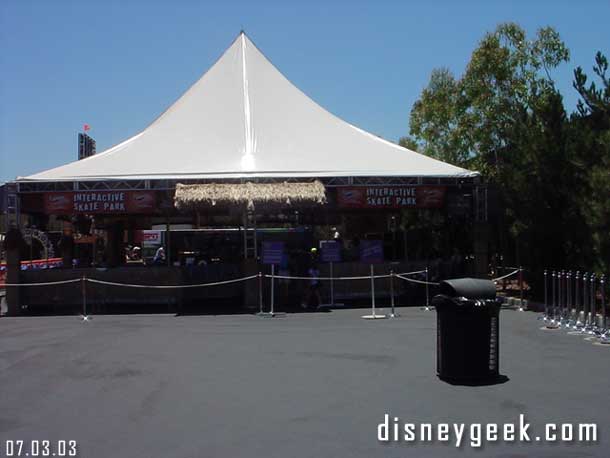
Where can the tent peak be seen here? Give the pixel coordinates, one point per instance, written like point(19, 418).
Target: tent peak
point(242, 33)
point(244, 118)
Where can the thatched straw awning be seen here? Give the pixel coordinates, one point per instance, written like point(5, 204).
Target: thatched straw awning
point(250, 194)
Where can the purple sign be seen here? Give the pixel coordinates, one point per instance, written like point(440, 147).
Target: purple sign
point(273, 252)
point(371, 251)
point(330, 251)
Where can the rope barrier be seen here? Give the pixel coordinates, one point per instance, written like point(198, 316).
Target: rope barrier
point(505, 276)
point(200, 285)
point(367, 277)
point(286, 277)
point(417, 281)
point(48, 283)
point(402, 276)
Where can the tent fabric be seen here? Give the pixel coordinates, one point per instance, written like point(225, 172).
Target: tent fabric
point(244, 119)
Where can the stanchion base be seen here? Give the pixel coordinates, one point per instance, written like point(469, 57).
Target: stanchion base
point(427, 308)
point(271, 315)
point(86, 318)
point(603, 343)
point(550, 327)
point(394, 315)
point(374, 317)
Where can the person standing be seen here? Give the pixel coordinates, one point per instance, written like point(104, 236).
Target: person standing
point(159, 258)
point(313, 298)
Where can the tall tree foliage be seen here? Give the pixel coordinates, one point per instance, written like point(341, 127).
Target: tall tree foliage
point(590, 140)
point(505, 118)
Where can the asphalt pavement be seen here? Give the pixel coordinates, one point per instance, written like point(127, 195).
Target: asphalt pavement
point(302, 385)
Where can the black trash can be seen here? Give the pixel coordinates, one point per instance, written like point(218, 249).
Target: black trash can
point(468, 339)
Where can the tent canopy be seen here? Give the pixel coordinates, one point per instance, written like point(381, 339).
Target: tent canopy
point(244, 119)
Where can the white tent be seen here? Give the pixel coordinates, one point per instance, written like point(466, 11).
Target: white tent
point(243, 119)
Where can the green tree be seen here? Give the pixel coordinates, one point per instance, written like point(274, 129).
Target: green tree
point(434, 121)
point(590, 140)
point(503, 81)
point(505, 118)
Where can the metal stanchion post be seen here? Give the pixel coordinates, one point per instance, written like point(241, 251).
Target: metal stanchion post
point(552, 322)
point(577, 323)
point(393, 315)
point(271, 313)
point(427, 293)
point(569, 313)
point(260, 293)
point(85, 317)
point(373, 287)
point(585, 299)
point(558, 297)
point(554, 289)
point(581, 307)
point(605, 336)
point(602, 286)
point(593, 305)
point(272, 289)
point(561, 295)
point(521, 308)
point(546, 297)
point(374, 315)
point(564, 295)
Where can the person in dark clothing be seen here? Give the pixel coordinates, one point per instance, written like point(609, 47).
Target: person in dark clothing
point(313, 298)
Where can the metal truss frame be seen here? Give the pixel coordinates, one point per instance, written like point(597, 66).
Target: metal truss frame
point(170, 184)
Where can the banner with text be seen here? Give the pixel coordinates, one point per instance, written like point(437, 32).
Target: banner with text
point(391, 197)
point(114, 202)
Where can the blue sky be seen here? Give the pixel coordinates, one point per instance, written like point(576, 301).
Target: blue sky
point(117, 65)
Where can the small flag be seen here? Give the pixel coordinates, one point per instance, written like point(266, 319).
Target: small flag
point(86, 127)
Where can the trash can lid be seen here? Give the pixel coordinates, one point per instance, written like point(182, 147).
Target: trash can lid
point(470, 288)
